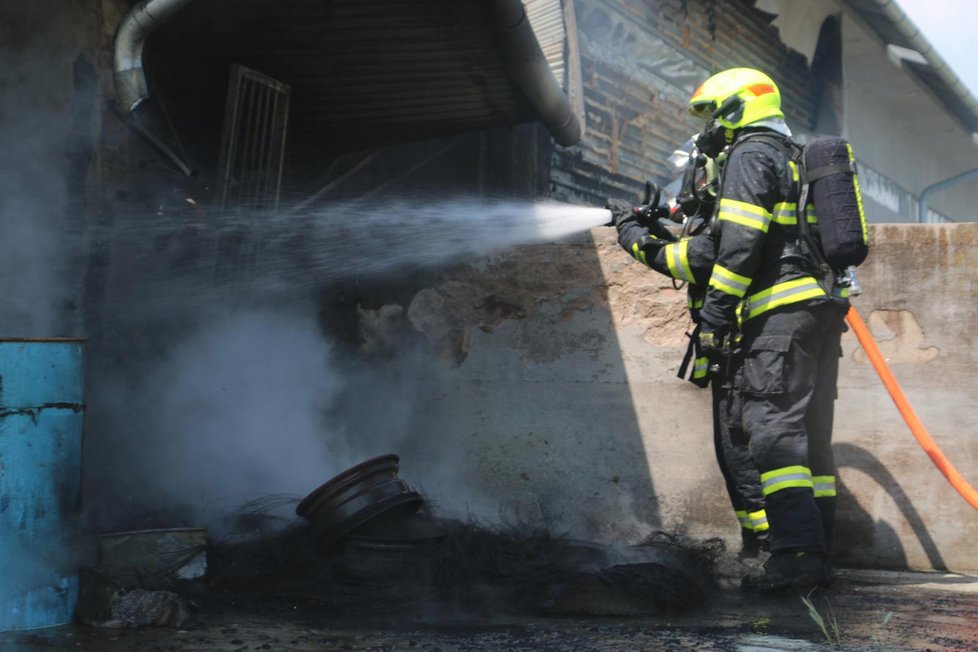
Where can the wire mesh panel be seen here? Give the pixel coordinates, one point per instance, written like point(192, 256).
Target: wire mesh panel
point(253, 143)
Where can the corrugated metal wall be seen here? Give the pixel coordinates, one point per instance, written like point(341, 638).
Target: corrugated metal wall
point(640, 62)
point(547, 19)
point(363, 73)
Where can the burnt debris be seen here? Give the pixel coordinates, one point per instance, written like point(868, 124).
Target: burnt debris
point(372, 548)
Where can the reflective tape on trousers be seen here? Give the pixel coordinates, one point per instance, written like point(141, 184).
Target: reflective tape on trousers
point(785, 478)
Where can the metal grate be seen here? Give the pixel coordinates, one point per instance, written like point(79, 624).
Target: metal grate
point(253, 143)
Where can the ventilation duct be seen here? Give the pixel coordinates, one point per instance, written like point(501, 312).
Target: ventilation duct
point(140, 112)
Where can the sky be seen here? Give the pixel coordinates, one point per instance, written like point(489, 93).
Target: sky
point(949, 25)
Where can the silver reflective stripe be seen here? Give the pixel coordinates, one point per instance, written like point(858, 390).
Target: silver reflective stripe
point(757, 305)
point(787, 477)
point(729, 282)
point(824, 486)
point(784, 213)
point(744, 217)
point(678, 262)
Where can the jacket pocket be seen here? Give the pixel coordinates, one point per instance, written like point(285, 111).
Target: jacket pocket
point(764, 366)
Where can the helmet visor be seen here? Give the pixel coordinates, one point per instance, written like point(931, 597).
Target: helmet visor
point(703, 110)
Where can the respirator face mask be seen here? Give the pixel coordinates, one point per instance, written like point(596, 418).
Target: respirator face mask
point(697, 196)
point(716, 136)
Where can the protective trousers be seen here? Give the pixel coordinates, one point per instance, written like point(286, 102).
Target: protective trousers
point(788, 379)
point(734, 458)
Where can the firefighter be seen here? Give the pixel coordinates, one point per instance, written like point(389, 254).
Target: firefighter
point(690, 260)
point(790, 326)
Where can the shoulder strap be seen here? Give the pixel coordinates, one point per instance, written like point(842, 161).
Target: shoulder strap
point(690, 352)
point(826, 170)
point(778, 141)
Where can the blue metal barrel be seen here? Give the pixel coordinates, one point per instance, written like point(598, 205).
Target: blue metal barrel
point(41, 411)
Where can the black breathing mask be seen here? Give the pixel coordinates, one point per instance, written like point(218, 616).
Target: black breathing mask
point(716, 136)
point(698, 189)
point(713, 139)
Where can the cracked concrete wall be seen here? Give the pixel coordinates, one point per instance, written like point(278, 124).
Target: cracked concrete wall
point(920, 303)
point(555, 389)
point(557, 382)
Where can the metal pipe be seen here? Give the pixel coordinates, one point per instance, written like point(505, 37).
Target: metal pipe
point(940, 185)
point(130, 78)
point(134, 28)
point(529, 69)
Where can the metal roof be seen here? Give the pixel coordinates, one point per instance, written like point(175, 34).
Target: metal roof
point(891, 24)
point(363, 72)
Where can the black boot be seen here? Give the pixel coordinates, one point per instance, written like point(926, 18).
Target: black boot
point(787, 570)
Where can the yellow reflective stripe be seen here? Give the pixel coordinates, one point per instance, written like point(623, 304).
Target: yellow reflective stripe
point(786, 477)
point(755, 521)
point(824, 486)
point(729, 282)
point(700, 367)
point(694, 303)
point(784, 213)
point(794, 171)
point(677, 257)
point(638, 253)
point(749, 215)
point(782, 294)
point(758, 521)
point(859, 195)
point(810, 214)
point(798, 468)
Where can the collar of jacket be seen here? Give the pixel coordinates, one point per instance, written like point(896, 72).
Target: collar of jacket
point(776, 125)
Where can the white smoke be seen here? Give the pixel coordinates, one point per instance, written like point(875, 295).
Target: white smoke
point(252, 402)
point(236, 410)
point(36, 90)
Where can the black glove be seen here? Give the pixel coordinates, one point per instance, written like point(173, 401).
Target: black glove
point(621, 212)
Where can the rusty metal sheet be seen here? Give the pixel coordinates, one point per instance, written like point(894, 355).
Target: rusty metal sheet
point(640, 62)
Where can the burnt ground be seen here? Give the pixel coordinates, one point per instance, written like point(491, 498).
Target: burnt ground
point(471, 588)
point(929, 612)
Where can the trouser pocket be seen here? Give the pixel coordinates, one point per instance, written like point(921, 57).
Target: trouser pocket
point(764, 370)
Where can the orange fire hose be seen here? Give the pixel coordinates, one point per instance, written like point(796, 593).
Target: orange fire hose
point(916, 427)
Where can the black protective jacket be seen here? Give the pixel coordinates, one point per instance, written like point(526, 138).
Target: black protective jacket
point(689, 259)
point(758, 265)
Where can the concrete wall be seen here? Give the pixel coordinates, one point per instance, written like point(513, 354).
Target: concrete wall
point(920, 304)
point(559, 399)
point(48, 121)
